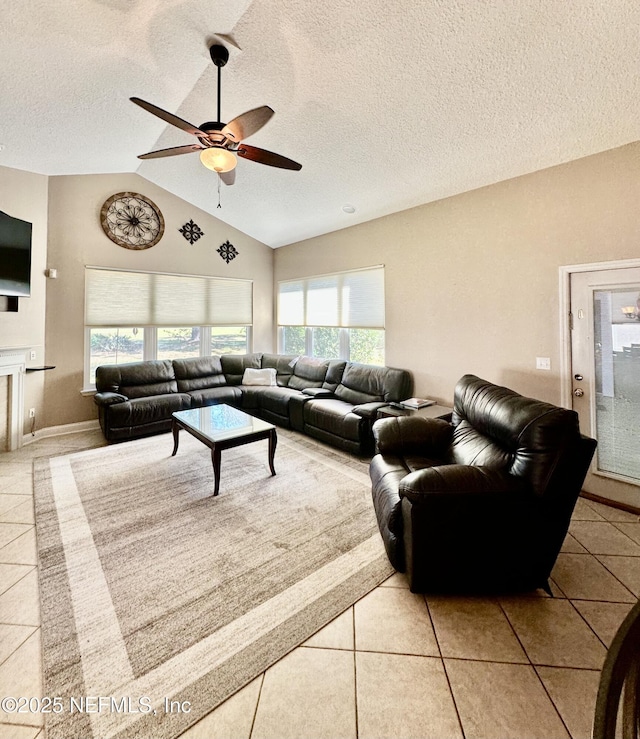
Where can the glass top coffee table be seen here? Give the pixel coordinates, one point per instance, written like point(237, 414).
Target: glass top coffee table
point(222, 427)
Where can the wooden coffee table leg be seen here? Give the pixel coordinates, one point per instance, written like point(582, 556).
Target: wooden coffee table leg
point(273, 440)
point(215, 458)
point(176, 430)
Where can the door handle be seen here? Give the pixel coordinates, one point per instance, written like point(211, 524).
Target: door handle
point(578, 392)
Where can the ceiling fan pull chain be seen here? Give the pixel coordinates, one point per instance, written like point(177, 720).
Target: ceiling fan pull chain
point(219, 206)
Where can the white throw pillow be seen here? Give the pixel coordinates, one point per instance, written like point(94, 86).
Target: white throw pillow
point(259, 376)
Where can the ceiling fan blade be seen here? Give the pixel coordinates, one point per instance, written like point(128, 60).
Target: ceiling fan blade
point(266, 157)
point(248, 123)
point(171, 152)
point(228, 177)
point(168, 117)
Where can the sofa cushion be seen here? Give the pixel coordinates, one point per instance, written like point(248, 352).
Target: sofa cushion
point(276, 399)
point(368, 383)
point(334, 416)
point(141, 411)
point(469, 446)
point(137, 379)
point(262, 377)
point(144, 379)
point(234, 365)
point(524, 436)
point(230, 394)
point(250, 398)
point(334, 374)
point(198, 373)
point(282, 364)
point(309, 372)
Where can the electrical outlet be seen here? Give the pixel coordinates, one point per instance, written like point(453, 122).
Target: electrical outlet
point(32, 412)
point(543, 363)
point(32, 355)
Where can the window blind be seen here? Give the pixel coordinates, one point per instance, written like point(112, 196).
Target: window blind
point(119, 298)
point(346, 300)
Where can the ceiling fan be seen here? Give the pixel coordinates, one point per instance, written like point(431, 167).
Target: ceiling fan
point(220, 142)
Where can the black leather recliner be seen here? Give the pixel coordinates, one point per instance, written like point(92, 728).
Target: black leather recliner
point(481, 503)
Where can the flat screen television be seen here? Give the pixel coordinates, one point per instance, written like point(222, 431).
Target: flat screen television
point(15, 256)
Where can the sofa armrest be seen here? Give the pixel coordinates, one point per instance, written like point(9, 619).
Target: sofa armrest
point(458, 481)
point(368, 410)
point(107, 398)
point(428, 437)
point(318, 392)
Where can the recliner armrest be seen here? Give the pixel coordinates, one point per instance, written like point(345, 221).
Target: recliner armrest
point(109, 398)
point(318, 392)
point(427, 437)
point(368, 410)
point(458, 481)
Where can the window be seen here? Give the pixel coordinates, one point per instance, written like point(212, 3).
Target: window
point(178, 343)
point(229, 340)
point(334, 316)
point(293, 340)
point(114, 346)
point(175, 316)
point(366, 345)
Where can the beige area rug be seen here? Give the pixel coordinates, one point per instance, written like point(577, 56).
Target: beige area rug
point(154, 593)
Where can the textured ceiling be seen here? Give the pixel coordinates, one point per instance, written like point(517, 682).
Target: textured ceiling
point(386, 105)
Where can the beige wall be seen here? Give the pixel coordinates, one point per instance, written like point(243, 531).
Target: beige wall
point(472, 281)
point(76, 239)
point(24, 195)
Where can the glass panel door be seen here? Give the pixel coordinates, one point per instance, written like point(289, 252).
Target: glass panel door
point(616, 316)
point(605, 371)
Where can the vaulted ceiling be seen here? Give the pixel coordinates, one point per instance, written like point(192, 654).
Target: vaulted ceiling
point(387, 105)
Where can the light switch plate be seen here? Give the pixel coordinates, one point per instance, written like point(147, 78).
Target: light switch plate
point(543, 363)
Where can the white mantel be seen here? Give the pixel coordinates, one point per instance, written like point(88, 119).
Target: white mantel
point(13, 362)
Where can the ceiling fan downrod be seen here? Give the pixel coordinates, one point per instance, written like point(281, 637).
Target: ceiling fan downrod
point(219, 56)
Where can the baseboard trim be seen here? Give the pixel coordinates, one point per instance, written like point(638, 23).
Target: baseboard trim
point(67, 428)
point(611, 503)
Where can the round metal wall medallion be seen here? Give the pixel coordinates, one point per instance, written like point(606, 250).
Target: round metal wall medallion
point(132, 221)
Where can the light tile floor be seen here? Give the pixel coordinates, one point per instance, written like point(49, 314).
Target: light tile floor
point(395, 664)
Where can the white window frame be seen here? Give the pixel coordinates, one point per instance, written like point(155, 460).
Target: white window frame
point(150, 335)
point(150, 347)
point(344, 338)
point(344, 330)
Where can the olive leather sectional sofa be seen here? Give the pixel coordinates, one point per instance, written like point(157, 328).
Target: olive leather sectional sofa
point(331, 400)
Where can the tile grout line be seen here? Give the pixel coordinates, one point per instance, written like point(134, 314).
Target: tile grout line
point(535, 672)
point(613, 574)
point(544, 687)
point(33, 567)
point(595, 556)
point(34, 629)
point(444, 668)
point(355, 671)
point(22, 533)
point(255, 710)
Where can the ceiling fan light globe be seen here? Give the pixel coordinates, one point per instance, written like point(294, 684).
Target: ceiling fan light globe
point(218, 160)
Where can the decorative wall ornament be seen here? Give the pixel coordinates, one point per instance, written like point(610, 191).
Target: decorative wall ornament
point(191, 231)
point(227, 251)
point(132, 220)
